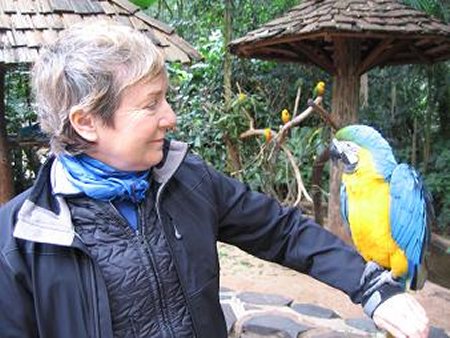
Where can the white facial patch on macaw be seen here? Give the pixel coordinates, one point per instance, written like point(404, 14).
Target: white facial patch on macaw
point(348, 153)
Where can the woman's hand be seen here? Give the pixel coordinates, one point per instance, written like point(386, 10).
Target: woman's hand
point(402, 316)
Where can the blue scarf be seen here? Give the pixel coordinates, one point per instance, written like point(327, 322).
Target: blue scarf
point(100, 181)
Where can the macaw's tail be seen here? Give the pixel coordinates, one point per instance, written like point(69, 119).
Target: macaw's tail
point(420, 272)
point(419, 276)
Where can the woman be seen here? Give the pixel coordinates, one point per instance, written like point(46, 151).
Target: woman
point(117, 237)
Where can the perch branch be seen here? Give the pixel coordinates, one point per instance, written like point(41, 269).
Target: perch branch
point(273, 156)
point(324, 115)
point(301, 190)
point(298, 119)
point(297, 101)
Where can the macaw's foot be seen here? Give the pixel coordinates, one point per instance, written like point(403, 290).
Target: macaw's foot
point(370, 268)
point(384, 278)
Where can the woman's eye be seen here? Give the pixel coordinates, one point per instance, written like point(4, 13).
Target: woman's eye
point(152, 105)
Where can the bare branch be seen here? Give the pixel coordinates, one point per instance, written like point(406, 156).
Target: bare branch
point(297, 101)
point(278, 138)
point(273, 156)
point(298, 119)
point(300, 186)
point(325, 116)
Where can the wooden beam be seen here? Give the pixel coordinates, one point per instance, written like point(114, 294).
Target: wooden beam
point(384, 58)
point(277, 51)
point(421, 56)
point(371, 58)
point(444, 47)
point(315, 55)
point(6, 177)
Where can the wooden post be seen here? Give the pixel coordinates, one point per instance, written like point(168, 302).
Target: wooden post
point(345, 102)
point(6, 177)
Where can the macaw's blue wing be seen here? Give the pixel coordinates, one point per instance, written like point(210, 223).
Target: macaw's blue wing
point(408, 215)
point(344, 207)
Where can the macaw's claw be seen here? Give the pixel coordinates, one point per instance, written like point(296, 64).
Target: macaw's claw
point(384, 278)
point(370, 268)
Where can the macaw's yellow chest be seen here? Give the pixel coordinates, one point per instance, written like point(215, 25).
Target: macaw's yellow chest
point(368, 212)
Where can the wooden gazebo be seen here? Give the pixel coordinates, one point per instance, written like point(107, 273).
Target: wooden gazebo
point(346, 38)
point(26, 25)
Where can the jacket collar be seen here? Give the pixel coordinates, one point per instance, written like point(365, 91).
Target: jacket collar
point(45, 217)
point(174, 154)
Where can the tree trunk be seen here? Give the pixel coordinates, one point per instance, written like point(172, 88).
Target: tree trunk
point(364, 91)
point(443, 98)
point(234, 162)
point(317, 171)
point(428, 112)
point(393, 102)
point(6, 177)
point(414, 144)
point(346, 84)
point(227, 57)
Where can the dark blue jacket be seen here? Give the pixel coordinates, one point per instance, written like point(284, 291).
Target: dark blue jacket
point(50, 287)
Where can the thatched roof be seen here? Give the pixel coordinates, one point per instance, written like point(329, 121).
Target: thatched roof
point(389, 33)
point(26, 25)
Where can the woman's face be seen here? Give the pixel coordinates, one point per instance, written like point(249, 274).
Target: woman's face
point(140, 123)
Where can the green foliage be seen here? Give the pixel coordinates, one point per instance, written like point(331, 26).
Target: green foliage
point(196, 96)
point(204, 120)
point(17, 95)
point(438, 182)
point(20, 117)
point(439, 9)
point(143, 3)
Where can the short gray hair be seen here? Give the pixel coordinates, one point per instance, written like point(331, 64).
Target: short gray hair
point(88, 67)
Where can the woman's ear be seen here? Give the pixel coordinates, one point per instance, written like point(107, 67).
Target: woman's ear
point(84, 124)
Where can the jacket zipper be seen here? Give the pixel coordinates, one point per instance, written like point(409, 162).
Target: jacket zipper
point(139, 233)
point(177, 234)
point(177, 268)
point(150, 255)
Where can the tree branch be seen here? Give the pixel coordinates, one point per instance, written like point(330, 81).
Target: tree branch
point(324, 115)
point(278, 139)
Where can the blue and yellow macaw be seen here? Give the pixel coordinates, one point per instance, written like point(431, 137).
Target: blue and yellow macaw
point(385, 206)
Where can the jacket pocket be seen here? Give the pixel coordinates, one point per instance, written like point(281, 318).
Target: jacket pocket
point(206, 311)
point(195, 252)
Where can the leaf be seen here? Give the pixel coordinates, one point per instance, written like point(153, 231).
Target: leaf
point(143, 3)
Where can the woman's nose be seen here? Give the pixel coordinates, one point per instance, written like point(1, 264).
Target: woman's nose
point(169, 119)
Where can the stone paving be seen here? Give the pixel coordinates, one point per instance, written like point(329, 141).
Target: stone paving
point(257, 315)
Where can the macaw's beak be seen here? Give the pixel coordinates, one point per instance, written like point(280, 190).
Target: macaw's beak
point(335, 150)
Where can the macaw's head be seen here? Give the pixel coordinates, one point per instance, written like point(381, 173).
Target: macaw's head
point(350, 140)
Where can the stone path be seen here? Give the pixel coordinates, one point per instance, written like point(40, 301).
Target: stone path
point(258, 315)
